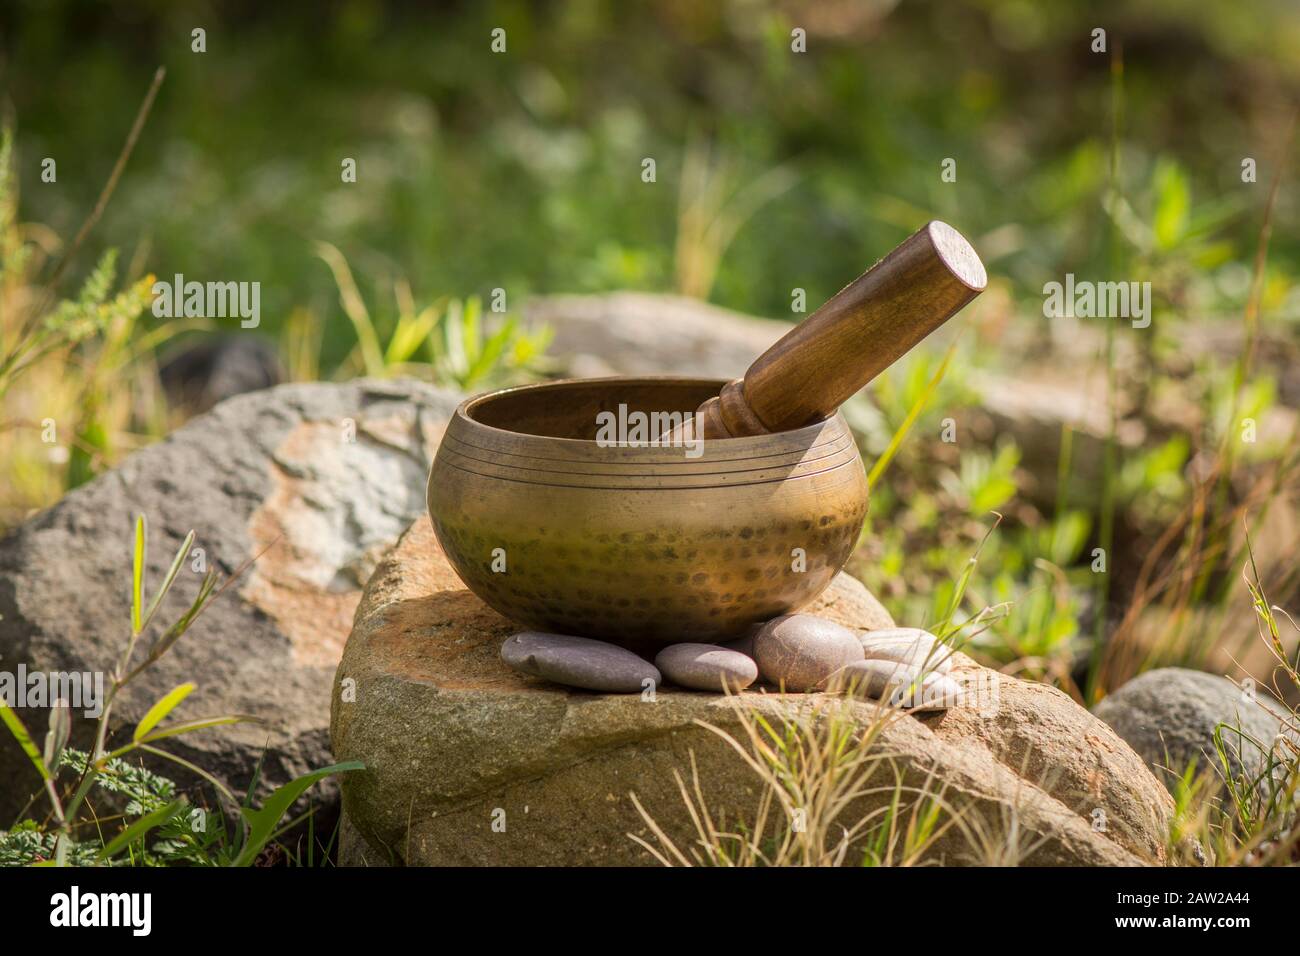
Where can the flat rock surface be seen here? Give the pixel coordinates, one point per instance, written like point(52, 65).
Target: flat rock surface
point(469, 762)
point(317, 479)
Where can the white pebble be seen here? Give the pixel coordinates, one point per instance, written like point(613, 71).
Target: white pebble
point(907, 645)
point(898, 684)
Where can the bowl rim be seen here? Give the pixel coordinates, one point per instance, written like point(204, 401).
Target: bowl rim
point(463, 410)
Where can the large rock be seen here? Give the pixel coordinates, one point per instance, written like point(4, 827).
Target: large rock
point(319, 480)
point(454, 741)
point(1169, 716)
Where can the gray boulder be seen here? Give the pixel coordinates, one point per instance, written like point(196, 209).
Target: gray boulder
point(635, 333)
point(317, 479)
point(1169, 717)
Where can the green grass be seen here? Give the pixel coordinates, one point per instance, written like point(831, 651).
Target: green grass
point(155, 826)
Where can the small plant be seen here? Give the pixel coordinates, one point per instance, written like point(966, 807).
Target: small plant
point(152, 811)
point(1243, 809)
point(86, 363)
point(712, 206)
point(446, 340)
point(830, 796)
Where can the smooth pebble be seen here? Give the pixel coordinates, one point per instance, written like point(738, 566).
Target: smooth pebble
point(898, 684)
point(799, 651)
point(743, 645)
point(707, 667)
point(907, 645)
point(579, 662)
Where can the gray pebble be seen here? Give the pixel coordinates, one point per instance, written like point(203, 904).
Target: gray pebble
point(799, 651)
point(578, 662)
point(898, 684)
point(707, 667)
point(907, 645)
point(743, 645)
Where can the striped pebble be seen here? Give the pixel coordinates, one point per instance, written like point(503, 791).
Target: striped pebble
point(907, 645)
point(898, 684)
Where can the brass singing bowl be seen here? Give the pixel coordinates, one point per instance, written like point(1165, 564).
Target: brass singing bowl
point(640, 545)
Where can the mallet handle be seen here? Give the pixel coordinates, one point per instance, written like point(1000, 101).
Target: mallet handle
point(866, 327)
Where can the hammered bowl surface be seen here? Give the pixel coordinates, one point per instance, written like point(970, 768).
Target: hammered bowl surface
point(642, 546)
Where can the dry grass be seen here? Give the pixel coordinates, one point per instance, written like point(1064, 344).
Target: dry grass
point(831, 794)
point(89, 389)
point(1247, 813)
point(711, 209)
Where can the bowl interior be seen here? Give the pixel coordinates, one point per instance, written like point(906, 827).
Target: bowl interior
point(568, 409)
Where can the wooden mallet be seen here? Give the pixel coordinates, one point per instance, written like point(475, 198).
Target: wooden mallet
point(866, 327)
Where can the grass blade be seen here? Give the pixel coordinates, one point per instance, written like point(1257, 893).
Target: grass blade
point(140, 827)
point(137, 576)
point(169, 580)
point(188, 726)
point(918, 406)
point(262, 822)
point(160, 710)
point(354, 307)
point(20, 734)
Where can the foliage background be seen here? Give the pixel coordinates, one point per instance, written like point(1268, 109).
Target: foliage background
point(775, 171)
point(522, 171)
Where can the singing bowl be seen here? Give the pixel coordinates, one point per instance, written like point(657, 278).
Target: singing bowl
point(642, 546)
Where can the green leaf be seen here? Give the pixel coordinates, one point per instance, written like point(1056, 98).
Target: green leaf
point(262, 822)
point(490, 356)
point(354, 307)
point(1173, 204)
point(140, 827)
point(994, 492)
point(57, 737)
point(161, 709)
point(20, 734)
point(410, 334)
point(528, 347)
point(189, 726)
point(453, 330)
point(137, 576)
point(180, 626)
point(89, 451)
point(917, 407)
point(473, 334)
point(169, 580)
